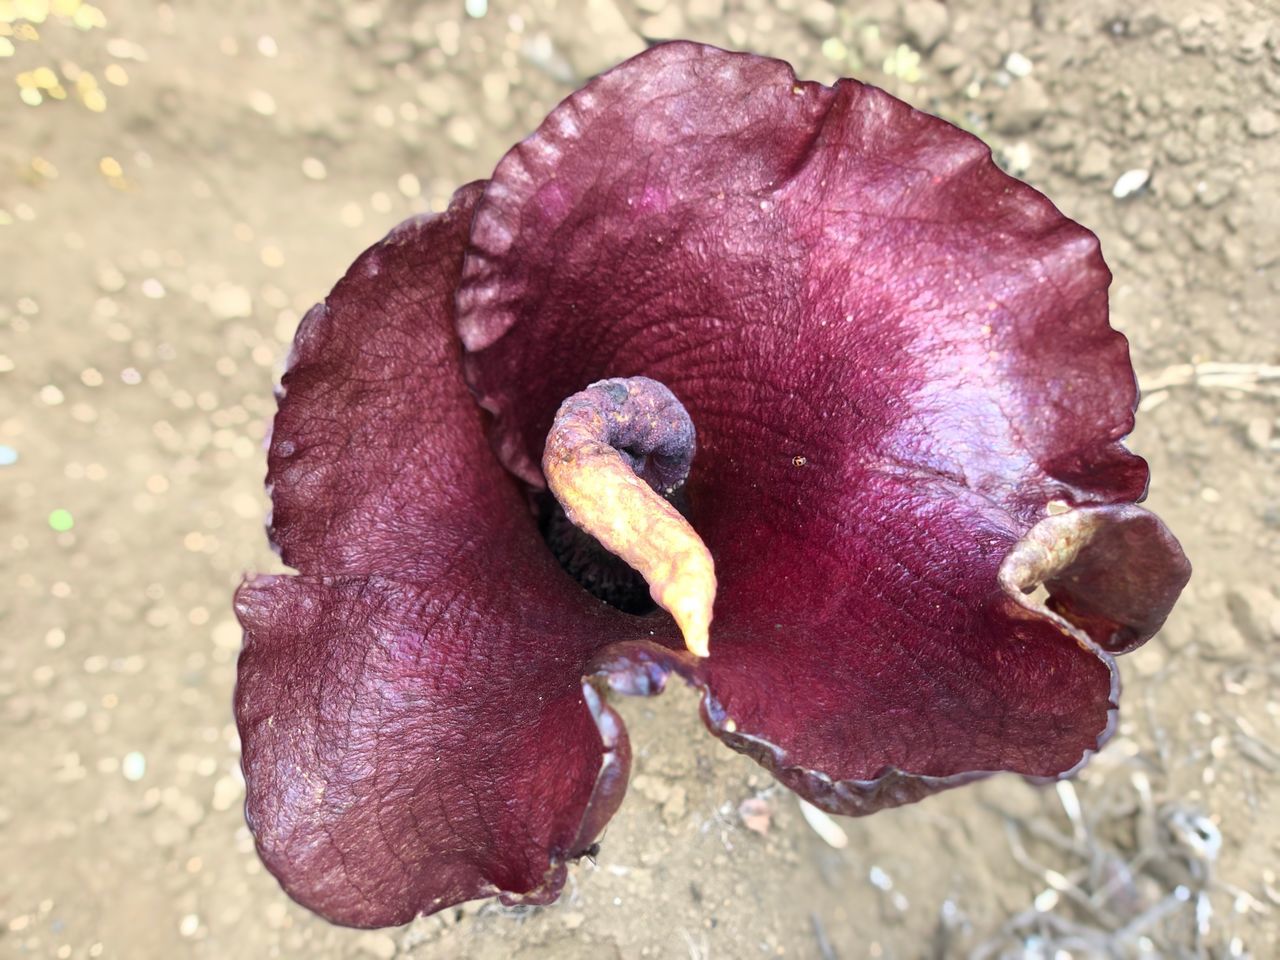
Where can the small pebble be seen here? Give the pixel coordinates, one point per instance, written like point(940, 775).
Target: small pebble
point(1018, 65)
point(1224, 642)
point(1177, 193)
point(1258, 432)
point(1252, 43)
point(1214, 188)
point(1024, 106)
point(818, 15)
point(378, 945)
point(947, 57)
point(1255, 611)
point(1094, 160)
point(133, 766)
point(1261, 122)
point(1016, 158)
point(675, 807)
point(756, 814)
point(262, 102)
point(926, 23)
point(1130, 182)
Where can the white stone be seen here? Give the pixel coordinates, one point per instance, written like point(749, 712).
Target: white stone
point(1018, 65)
point(1130, 182)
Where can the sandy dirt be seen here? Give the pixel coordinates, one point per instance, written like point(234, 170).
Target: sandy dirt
point(179, 182)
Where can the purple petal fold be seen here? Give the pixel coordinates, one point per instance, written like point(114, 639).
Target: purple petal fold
point(404, 751)
point(415, 728)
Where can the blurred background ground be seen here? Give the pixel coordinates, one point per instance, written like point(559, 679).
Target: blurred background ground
point(179, 182)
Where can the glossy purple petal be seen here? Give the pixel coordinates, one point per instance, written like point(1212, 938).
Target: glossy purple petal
point(415, 727)
point(377, 464)
point(816, 272)
point(896, 357)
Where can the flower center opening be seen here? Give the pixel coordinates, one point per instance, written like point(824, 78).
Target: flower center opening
point(615, 461)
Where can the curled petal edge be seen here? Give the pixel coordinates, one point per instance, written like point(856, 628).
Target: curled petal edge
point(606, 797)
point(642, 668)
point(1112, 573)
point(1067, 553)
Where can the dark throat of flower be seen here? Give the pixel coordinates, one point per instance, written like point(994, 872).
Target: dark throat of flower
point(615, 460)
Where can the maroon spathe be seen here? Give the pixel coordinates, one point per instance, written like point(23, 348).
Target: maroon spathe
point(896, 358)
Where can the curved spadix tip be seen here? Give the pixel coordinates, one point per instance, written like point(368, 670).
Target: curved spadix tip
point(603, 495)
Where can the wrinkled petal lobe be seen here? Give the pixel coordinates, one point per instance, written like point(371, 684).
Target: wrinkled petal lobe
point(397, 701)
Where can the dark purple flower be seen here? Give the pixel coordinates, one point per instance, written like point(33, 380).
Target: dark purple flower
point(909, 408)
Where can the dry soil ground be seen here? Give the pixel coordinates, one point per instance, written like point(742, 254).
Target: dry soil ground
point(179, 181)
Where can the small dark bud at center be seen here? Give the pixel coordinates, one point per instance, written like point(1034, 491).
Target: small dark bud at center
point(601, 573)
